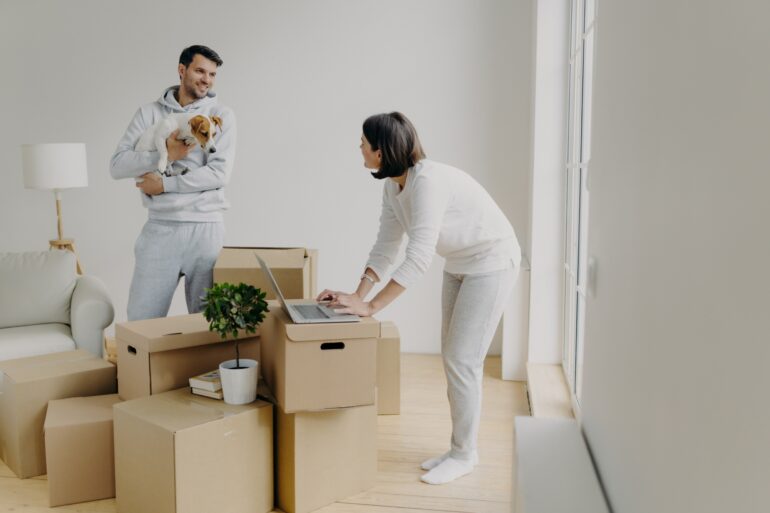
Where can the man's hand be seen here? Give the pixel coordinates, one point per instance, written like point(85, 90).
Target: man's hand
point(177, 149)
point(151, 184)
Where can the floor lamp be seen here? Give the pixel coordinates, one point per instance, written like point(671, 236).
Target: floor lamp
point(54, 167)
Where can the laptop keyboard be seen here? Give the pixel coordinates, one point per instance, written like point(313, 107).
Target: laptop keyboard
point(310, 311)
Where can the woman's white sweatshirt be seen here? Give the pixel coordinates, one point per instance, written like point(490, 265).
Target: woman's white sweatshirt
point(442, 210)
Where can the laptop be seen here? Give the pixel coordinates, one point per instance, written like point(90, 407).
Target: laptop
point(309, 312)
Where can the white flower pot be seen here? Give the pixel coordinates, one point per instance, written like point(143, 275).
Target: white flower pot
point(239, 386)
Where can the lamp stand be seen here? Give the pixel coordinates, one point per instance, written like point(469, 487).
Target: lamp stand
point(61, 243)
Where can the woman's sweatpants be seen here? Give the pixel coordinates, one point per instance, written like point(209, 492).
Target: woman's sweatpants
point(472, 305)
point(164, 252)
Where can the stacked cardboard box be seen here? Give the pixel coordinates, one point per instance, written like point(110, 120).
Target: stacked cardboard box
point(319, 366)
point(158, 355)
point(388, 370)
point(179, 452)
point(324, 456)
point(323, 377)
point(295, 269)
point(79, 449)
point(26, 386)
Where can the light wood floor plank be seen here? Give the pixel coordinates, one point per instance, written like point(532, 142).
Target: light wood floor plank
point(422, 431)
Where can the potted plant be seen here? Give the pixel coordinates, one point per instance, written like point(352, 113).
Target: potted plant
point(230, 308)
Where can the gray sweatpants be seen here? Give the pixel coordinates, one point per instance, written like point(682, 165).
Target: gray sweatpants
point(164, 252)
point(472, 305)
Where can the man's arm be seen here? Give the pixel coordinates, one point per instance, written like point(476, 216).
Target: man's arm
point(216, 173)
point(127, 163)
point(151, 183)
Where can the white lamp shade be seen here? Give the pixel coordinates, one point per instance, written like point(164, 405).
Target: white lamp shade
point(54, 166)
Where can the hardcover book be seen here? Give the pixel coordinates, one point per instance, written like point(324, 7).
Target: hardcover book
point(207, 381)
point(208, 393)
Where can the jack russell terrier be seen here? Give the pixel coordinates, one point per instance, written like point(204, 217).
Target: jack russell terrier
point(192, 128)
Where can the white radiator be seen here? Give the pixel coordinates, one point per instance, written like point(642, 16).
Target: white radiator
point(553, 471)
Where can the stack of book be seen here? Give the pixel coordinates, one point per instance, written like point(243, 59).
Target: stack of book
point(207, 384)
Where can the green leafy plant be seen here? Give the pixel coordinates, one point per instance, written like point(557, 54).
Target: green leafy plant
point(230, 308)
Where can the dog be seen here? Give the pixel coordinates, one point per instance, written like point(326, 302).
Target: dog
point(193, 128)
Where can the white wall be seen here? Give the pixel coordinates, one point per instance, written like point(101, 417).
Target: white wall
point(301, 77)
point(676, 358)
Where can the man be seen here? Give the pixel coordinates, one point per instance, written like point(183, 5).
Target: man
point(184, 231)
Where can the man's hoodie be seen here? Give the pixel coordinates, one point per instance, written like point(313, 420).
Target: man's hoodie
point(198, 194)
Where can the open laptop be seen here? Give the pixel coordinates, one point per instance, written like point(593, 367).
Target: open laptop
point(308, 312)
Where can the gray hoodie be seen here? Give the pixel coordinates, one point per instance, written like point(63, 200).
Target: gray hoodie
point(198, 195)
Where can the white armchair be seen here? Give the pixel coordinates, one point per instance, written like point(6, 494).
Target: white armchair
point(45, 307)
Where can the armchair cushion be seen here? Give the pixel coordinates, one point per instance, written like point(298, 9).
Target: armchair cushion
point(26, 341)
point(36, 287)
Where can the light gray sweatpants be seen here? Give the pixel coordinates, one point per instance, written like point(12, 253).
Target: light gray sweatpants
point(164, 252)
point(472, 305)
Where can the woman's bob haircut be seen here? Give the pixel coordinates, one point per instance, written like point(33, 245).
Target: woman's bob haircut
point(395, 136)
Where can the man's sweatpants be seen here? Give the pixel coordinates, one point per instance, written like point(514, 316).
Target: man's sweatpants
point(164, 252)
point(472, 305)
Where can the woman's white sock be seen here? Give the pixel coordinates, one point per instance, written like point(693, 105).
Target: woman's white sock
point(431, 463)
point(448, 470)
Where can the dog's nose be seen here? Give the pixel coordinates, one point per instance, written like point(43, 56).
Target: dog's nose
point(212, 149)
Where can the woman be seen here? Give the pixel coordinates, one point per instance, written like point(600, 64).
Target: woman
point(442, 210)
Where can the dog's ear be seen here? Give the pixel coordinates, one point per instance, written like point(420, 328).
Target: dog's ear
point(217, 121)
point(195, 122)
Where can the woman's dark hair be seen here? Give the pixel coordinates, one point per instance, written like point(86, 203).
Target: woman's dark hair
point(189, 53)
point(395, 136)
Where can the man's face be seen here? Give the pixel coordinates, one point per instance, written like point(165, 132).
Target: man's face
point(197, 78)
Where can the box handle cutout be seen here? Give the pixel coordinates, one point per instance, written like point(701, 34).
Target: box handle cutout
point(332, 345)
point(132, 349)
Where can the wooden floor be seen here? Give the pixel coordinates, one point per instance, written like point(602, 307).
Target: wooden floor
point(421, 431)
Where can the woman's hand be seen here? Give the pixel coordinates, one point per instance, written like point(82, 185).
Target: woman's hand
point(351, 304)
point(329, 295)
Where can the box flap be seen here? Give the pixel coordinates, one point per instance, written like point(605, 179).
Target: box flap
point(168, 333)
point(240, 257)
point(180, 409)
point(388, 329)
point(46, 366)
point(367, 327)
point(80, 410)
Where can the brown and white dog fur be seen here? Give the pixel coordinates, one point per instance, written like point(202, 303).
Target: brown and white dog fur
point(193, 129)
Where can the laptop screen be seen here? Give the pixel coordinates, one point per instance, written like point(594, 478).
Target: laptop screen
point(274, 284)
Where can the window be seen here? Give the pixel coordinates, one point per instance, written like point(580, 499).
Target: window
point(578, 156)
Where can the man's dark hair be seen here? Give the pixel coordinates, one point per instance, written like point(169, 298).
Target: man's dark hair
point(189, 53)
point(396, 137)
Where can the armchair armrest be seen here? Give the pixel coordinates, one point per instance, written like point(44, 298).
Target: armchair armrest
point(91, 312)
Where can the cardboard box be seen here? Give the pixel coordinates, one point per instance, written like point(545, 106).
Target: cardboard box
point(388, 370)
point(319, 366)
point(323, 457)
point(158, 355)
point(26, 386)
point(295, 269)
point(79, 449)
point(181, 453)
